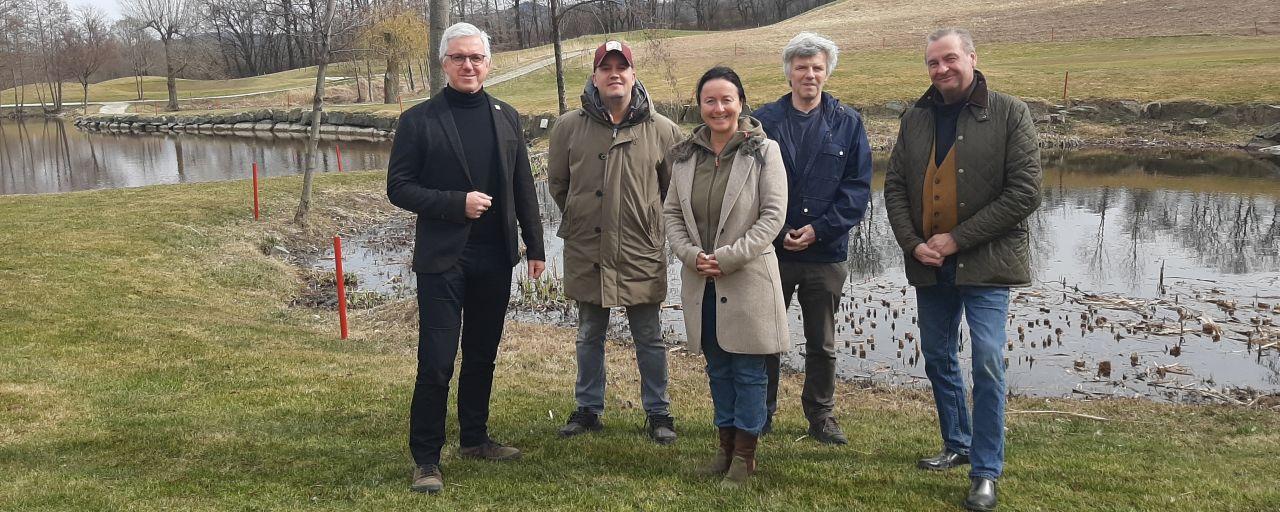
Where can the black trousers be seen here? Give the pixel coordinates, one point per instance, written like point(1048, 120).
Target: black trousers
point(470, 299)
point(819, 287)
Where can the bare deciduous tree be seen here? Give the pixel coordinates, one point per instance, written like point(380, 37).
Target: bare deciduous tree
point(170, 19)
point(88, 46)
point(137, 48)
point(329, 31)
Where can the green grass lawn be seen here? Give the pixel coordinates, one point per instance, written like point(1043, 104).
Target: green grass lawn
point(149, 360)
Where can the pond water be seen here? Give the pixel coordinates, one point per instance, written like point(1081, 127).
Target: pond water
point(1112, 223)
point(39, 156)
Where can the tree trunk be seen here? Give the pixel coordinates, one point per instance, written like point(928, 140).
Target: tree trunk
point(171, 82)
point(317, 107)
point(438, 14)
point(519, 26)
point(391, 77)
point(359, 88)
point(369, 82)
point(555, 41)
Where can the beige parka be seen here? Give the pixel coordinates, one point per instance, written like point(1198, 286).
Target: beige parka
point(609, 183)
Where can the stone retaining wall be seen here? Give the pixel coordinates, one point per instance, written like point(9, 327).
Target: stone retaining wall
point(296, 122)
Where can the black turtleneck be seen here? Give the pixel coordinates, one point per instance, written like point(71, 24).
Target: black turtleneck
point(474, 120)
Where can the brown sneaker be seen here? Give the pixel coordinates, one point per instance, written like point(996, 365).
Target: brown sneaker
point(427, 478)
point(744, 461)
point(489, 450)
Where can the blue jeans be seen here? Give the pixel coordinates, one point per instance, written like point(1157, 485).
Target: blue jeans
point(739, 383)
point(986, 308)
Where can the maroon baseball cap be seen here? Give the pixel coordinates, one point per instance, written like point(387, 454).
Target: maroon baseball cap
point(613, 46)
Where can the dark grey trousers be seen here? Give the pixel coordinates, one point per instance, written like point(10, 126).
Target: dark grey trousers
point(651, 357)
point(818, 286)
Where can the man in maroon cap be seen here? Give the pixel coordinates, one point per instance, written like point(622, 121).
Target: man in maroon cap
point(608, 174)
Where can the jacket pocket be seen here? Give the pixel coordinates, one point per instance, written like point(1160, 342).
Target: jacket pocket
point(812, 207)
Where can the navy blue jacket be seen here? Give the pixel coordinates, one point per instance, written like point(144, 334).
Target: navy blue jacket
point(832, 191)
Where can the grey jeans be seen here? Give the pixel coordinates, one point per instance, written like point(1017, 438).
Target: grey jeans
point(818, 286)
point(651, 356)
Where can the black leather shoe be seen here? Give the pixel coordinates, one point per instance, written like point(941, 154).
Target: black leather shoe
point(943, 461)
point(661, 428)
point(768, 425)
point(982, 494)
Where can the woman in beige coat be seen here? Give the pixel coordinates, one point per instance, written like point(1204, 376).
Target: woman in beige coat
point(727, 203)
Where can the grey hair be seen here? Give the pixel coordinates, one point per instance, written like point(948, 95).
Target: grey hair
point(462, 29)
point(966, 39)
point(808, 44)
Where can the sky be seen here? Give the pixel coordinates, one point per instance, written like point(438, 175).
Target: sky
point(111, 7)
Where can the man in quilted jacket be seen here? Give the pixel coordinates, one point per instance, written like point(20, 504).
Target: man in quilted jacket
point(963, 177)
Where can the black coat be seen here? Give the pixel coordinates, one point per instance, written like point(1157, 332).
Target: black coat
point(427, 174)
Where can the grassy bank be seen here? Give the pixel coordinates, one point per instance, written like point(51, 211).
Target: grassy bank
point(1216, 68)
point(149, 360)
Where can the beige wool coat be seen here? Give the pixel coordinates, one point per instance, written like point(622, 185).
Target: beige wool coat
point(750, 315)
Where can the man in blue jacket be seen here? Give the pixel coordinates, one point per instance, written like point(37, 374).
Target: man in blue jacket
point(828, 161)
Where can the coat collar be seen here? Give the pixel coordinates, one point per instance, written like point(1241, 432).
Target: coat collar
point(438, 109)
point(978, 101)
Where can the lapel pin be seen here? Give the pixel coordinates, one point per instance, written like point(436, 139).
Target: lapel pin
point(497, 107)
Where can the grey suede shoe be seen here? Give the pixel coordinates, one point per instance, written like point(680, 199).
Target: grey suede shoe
point(489, 450)
point(427, 478)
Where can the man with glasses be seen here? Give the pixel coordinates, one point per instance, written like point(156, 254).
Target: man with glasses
point(460, 163)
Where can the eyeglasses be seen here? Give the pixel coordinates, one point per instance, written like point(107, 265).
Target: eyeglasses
point(459, 58)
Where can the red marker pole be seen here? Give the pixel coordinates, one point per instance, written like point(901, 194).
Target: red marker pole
point(255, 191)
point(339, 150)
point(342, 292)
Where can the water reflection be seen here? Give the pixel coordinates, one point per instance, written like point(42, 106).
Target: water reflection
point(43, 156)
point(1110, 220)
point(1110, 224)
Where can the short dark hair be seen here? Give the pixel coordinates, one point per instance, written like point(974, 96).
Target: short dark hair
point(723, 73)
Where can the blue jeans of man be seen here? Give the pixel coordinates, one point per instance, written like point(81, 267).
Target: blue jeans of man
point(738, 381)
point(986, 309)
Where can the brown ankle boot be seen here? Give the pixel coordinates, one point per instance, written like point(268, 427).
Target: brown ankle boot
point(724, 455)
point(744, 460)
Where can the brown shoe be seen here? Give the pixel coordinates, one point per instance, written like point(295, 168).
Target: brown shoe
point(489, 450)
point(743, 464)
point(724, 455)
point(427, 478)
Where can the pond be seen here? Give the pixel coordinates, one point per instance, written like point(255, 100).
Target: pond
point(1099, 320)
point(39, 156)
point(1111, 225)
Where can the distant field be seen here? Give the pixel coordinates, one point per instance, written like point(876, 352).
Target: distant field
point(1138, 49)
point(1219, 68)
